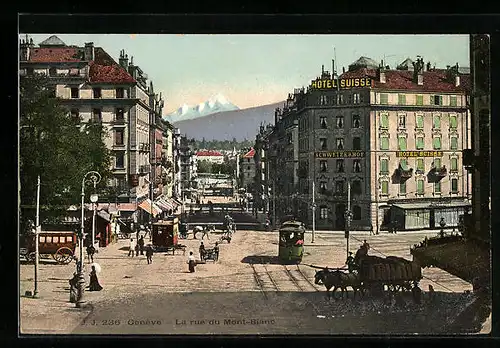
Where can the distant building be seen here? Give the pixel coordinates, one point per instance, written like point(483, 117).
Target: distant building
point(210, 156)
point(247, 170)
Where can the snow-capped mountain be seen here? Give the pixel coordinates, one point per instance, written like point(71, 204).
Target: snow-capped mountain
point(216, 103)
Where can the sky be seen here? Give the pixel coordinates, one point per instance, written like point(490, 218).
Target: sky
point(253, 70)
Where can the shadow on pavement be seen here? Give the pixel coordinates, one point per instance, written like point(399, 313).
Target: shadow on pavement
point(261, 259)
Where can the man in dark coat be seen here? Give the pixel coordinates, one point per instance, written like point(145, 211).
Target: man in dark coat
point(90, 252)
point(141, 245)
point(149, 254)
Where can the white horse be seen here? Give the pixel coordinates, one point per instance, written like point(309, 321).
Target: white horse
point(201, 229)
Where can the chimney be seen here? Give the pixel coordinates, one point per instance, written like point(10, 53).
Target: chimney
point(88, 54)
point(381, 72)
point(418, 71)
point(123, 61)
point(456, 76)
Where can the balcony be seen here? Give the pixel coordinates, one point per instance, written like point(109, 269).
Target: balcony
point(404, 173)
point(119, 122)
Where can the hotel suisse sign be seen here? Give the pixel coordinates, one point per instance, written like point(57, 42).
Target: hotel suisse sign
point(342, 83)
point(339, 154)
point(419, 153)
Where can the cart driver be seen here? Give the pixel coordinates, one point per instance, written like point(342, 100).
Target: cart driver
point(351, 265)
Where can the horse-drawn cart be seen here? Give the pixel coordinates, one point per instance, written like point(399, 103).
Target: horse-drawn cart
point(60, 245)
point(166, 234)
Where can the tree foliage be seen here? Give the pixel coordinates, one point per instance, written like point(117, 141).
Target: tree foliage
point(222, 144)
point(57, 147)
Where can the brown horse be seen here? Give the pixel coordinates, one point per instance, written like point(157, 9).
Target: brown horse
point(338, 280)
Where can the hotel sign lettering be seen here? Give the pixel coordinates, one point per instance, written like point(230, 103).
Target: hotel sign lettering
point(339, 154)
point(342, 83)
point(419, 153)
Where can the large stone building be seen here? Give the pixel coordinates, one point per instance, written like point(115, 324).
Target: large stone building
point(394, 136)
point(94, 87)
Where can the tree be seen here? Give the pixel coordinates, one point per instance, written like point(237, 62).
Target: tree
point(57, 147)
point(204, 166)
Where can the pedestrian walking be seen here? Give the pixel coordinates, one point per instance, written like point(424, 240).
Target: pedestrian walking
point(371, 230)
point(149, 254)
point(216, 251)
point(73, 290)
point(90, 252)
point(131, 249)
point(94, 282)
point(191, 262)
point(202, 251)
point(136, 249)
point(141, 245)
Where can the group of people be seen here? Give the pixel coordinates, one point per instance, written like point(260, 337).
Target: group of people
point(136, 248)
point(203, 251)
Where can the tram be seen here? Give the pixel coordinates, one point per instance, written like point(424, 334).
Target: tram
point(291, 241)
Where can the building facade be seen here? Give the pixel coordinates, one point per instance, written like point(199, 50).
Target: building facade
point(247, 170)
point(394, 138)
point(210, 156)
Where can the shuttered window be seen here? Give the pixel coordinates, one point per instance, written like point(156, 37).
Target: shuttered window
point(384, 121)
point(385, 187)
point(436, 122)
point(420, 121)
point(384, 143)
point(402, 143)
point(420, 143)
point(420, 165)
point(420, 187)
point(436, 143)
point(384, 166)
point(454, 143)
point(453, 121)
point(454, 164)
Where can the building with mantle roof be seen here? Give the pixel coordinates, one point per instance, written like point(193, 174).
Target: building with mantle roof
point(211, 156)
point(94, 87)
point(394, 136)
point(247, 170)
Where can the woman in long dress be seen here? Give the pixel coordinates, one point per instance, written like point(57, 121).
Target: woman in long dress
point(94, 282)
point(191, 262)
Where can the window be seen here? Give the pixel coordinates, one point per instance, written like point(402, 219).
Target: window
point(62, 239)
point(75, 114)
point(419, 143)
point(454, 185)
point(42, 239)
point(437, 100)
point(119, 137)
point(402, 143)
point(340, 99)
point(340, 121)
point(402, 121)
point(248, 168)
point(52, 72)
point(322, 186)
point(384, 121)
point(323, 213)
point(356, 98)
point(384, 166)
point(402, 188)
point(97, 92)
point(356, 166)
point(75, 92)
point(248, 160)
point(420, 187)
point(453, 143)
point(436, 122)
point(453, 100)
point(437, 187)
point(322, 100)
point(96, 115)
point(340, 166)
point(384, 143)
point(401, 99)
point(437, 163)
point(420, 99)
point(454, 164)
point(120, 93)
point(356, 187)
point(383, 99)
point(340, 143)
point(29, 71)
point(323, 166)
point(55, 239)
point(120, 114)
point(453, 121)
point(356, 212)
point(420, 121)
point(339, 186)
point(420, 165)
point(403, 164)
point(322, 121)
point(322, 142)
point(436, 143)
point(356, 143)
point(356, 121)
point(120, 160)
point(385, 187)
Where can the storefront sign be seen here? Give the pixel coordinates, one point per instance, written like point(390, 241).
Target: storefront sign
point(419, 153)
point(339, 154)
point(342, 83)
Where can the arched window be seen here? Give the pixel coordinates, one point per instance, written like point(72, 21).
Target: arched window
point(356, 212)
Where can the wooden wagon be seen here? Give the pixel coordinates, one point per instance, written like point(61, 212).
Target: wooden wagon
point(60, 245)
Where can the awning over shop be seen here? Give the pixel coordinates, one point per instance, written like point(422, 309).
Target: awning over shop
point(104, 214)
point(146, 206)
point(164, 204)
point(428, 205)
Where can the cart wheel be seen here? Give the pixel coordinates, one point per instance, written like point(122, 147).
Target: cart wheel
point(63, 255)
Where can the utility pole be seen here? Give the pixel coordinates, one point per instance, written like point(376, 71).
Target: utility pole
point(348, 215)
point(37, 236)
point(313, 206)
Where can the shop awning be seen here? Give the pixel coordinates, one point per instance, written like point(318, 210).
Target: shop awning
point(428, 205)
point(146, 206)
point(104, 214)
point(164, 204)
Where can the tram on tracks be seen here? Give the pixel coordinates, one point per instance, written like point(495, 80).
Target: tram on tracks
point(291, 241)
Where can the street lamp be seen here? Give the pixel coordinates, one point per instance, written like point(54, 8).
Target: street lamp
point(94, 198)
point(348, 215)
point(93, 177)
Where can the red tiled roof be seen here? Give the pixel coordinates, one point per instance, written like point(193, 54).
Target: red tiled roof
point(250, 153)
point(209, 153)
point(434, 81)
point(103, 69)
point(54, 55)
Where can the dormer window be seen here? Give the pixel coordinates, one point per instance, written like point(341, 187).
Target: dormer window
point(75, 92)
point(120, 93)
point(52, 72)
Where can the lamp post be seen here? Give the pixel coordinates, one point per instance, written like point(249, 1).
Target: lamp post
point(37, 236)
point(313, 207)
point(348, 215)
point(95, 178)
point(94, 198)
